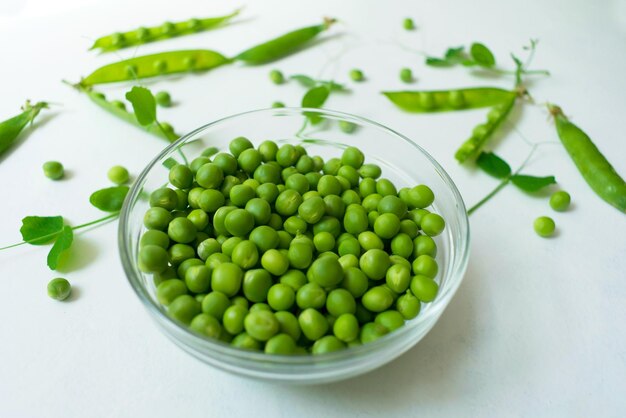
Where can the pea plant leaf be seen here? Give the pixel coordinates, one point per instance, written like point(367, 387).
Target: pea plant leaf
point(493, 165)
point(41, 230)
point(144, 105)
point(482, 55)
point(169, 163)
point(532, 183)
point(315, 97)
point(452, 57)
point(61, 245)
point(304, 80)
point(109, 199)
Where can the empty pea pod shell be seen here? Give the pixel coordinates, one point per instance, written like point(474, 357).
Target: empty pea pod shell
point(283, 45)
point(156, 65)
point(11, 128)
point(471, 148)
point(167, 30)
point(592, 164)
point(449, 100)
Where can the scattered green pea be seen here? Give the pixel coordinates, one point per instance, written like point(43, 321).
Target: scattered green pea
point(59, 288)
point(408, 24)
point(277, 77)
point(544, 226)
point(356, 75)
point(53, 170)
point(559, 201)
point(406, 75)
point(163, 98)
point(118, 174)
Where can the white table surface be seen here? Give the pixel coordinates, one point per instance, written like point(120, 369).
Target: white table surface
point(536, 328)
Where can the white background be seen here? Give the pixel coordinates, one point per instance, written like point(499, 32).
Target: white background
point(536, 328)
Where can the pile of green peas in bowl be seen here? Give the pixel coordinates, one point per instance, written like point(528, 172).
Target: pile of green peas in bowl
point(292, 256)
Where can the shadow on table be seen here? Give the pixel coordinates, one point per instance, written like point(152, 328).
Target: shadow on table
point(430, 370)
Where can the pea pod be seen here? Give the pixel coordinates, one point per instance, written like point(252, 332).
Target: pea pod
point(592, 164)
point(116, 108)
point(283, 45)
point(448, 100)
point(471, 148)
point(156, 65)
point(167, 30)
point(11, 128)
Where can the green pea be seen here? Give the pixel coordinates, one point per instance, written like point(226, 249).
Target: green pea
point(456, 99)
point(207, 247)
point(305, 164)
point(288, 324)
point(281, 297)
point(278, 105)
point(276, 221)
point(392, 204)
point(363, 315)
point(199, 219)
point(377, 299)
point(184, 308)
point(198, 278)
point(432, 224)
point(371, 171)
point(294, 278)
point(182, 203)
point(260, 210)
point(275, 262)
point(312, 209)
point(282, 344)
point(287, 155)
point(424, 288)
point(326, 272)
point(215, 304)
point(178, 253)
point(398, 278)
point(408, 227)
point(327, 344)
point(268, 150)
point(356, 75)
point(155, 237)
point(206, 325)
point(324, 241)
point(227, 278)
point(239, 222)
point(352, 157)
point(226, 162)
point(384, 187)
point(287, 202)
point(300, 255)
point(402, 245)
point(182, 230)
point(261, 325)
point(544, 226)
point(387, 225)
point(392, 320)
point(59, 288)
point(249, 160)
point(277, 77)
point(425, 265)
point(256, 285)
point(210, 176)
point(346, 327)
point(210, 200)
point(374, 263)
point(372, 331)
point(284, 240)
point(267, 192)
point(331, 166)
point(163, 99)
point(164, 198)
point(406, 75)
point(216, 259)
point(334, 206)
point(117, 174)
point(421, 196)
point(369, 240)
point(311, 295)
point(559, 201)
point(408, 24)
point(313, 324)
point(238, 145)
point(153, 259)
point(355, 220)
point(157, 218)
point(245, 255)
point(340, 301)
point(198, 162)
point(408, 306)
point(329, 185)
point(245, 342)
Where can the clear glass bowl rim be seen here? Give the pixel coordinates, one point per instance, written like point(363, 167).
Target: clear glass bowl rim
point(208, 345)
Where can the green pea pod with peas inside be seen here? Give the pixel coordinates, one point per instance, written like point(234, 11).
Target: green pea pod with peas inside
point(155, 65)
point(11, 128)
point(449, 100)
point(283, 45)
point(471, 148)
point(592, 164)
point(118, 109)
point(167, 30)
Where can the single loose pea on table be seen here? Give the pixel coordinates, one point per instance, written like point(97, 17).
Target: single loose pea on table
point(53, 170)
point(270, 249)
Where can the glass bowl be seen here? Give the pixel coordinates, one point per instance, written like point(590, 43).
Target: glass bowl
point(403, 162)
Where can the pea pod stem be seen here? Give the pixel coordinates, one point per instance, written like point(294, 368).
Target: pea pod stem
point(74, 228)
point(591, 163)
point(167, 30)
point(11, 128)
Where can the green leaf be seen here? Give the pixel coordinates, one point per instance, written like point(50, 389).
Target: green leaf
point(41, 230)
point(144, 105)
point(304, 80)
point(532, 183)
point(438, 62)
point(482, 55)
point(332, 86)
point(170, 162)
point(493, 165)
point(109, 199)
point(315, 97)
point(62, 244)
point(455, 55)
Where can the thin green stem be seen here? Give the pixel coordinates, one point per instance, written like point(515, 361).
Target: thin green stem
point(74, 228)
point(489, 196)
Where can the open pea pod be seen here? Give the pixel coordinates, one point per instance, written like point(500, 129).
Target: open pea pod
point(155, 65)
point(449, 100)
point(11, 128)
point(283, 45)
point(167, 30)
